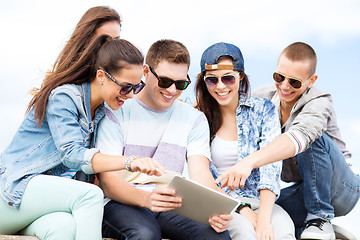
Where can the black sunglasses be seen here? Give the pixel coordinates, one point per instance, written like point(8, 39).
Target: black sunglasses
point(125, 89)
point(227, 79)
point(294, 82)
point(165, 82)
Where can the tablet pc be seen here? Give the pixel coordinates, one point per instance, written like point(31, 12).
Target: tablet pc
point(199, 202)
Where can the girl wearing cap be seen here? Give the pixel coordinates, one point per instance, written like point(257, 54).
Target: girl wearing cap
point(56, 136)
point(240, 125)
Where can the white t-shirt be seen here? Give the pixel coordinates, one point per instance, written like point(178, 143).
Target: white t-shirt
point(170, 136)
point(224, 154)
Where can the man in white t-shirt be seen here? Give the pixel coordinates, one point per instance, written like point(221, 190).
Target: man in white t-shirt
point(155, 125)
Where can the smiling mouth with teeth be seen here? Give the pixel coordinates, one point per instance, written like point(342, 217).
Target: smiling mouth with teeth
point(167, 96)
point(120, 99)
point(285, 93)
point(223, 93)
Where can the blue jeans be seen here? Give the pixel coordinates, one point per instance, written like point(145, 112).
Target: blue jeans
point(329, 187)
point(123, 221)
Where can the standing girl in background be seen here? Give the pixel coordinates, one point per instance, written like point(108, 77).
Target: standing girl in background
point(239, 125)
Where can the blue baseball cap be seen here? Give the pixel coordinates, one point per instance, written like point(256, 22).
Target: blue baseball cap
point(212, 54)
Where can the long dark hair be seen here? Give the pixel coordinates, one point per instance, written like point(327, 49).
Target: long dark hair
point(110, 54)
point(209, 106)
point(83, 33)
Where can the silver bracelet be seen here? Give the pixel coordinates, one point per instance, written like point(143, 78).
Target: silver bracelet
point(128, 163)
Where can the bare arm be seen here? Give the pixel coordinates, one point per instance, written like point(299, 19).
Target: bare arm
point(263, 227)
point(199, 171)
point(159, 200)
point(281, 148)
point(121, 191)
point(104, 162)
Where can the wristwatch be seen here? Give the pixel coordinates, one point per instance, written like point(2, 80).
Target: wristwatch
point(241, 206)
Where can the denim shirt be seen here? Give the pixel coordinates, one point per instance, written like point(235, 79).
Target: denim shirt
point(54, 147)
point(258, 125)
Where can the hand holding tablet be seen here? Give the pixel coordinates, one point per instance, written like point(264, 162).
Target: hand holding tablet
point(199, 202)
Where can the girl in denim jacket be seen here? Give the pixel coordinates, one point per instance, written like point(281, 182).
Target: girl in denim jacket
point(240, 125)
point(56, 137)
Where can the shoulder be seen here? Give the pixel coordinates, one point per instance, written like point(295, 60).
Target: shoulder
point(314, 96)
point(69, 96)
point(259, 104)
point(186, 111)
point(69, 89)
point(266, 91)
point(314, 92)
point(117, 116)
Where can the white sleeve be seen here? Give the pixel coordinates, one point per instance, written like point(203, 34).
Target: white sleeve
point(109, 137)
point(198, 140)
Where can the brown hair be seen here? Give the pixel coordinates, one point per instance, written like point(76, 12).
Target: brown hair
point(84, 31)
point(209, 106)
point(103, 52)
point(300, 51)
point(169, 50)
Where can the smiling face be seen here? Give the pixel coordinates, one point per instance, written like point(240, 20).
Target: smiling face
point(225, 95)
point(161, 98)
point(296, 69)
point(110, 92)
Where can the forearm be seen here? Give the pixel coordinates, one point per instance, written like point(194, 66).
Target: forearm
point(199, 171)
point(207, 180)
point(267, 201)
point(279, 149)
point(121, 191)
point(104, 162)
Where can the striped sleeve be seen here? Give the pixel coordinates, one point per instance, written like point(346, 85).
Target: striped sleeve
point(298, 140)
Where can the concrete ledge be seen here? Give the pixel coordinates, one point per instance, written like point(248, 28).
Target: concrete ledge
point(17, 237)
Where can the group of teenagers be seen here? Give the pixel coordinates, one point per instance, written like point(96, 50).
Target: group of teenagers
point(94, 116)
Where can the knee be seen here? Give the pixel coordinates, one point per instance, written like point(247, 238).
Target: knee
point(63, 228)
point(283, 225)
point(53, 226)
point(93, 193)
point(241, 228)
point(145, 233)
point(211, 234)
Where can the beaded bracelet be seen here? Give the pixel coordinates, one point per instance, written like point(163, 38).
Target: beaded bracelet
point(128, 163)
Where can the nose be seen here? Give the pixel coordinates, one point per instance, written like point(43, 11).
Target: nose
point(130, 94)
point(220, 84)
point(285, 84)
point(172, 89)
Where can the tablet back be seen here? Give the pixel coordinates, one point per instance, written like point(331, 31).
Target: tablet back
point(199, 202)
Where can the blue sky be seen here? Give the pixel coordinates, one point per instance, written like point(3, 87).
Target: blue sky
point(33, 33)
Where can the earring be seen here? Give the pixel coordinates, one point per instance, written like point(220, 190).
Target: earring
point(100, 82)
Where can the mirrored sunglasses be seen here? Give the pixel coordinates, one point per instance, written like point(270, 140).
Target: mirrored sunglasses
point(227, 79)
point(165, 82)
point(126, 89)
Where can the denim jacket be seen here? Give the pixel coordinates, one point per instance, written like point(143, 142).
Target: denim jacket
point(54, 147)
point(258, 125)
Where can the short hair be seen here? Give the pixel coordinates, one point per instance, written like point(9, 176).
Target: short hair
point(169, 50)
point(300, 51)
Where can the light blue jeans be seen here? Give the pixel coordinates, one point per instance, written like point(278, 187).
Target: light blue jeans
point(329, 187)
point(56, 208)
point(241, 228)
